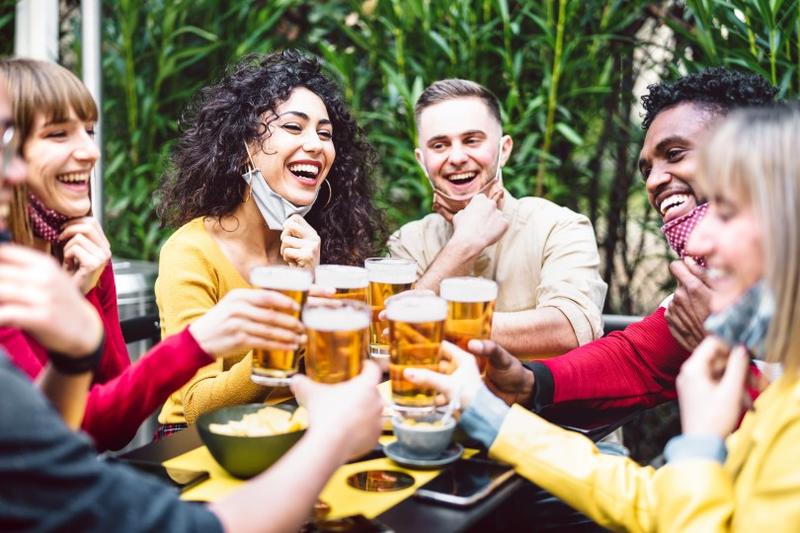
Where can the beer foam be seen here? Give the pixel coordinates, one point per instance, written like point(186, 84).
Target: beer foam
point(466, 289)
point(335, 318)
point(280, 278)
point(342, 277)
point(390, 270)
point(416, 309)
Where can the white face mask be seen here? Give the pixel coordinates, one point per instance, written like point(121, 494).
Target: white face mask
point(273, 207)
point(454, 203)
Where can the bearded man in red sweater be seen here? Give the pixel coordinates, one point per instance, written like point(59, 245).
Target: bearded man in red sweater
point(637, 367)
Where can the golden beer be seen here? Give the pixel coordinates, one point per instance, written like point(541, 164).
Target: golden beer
point(275, 367)
point(350, 283)
point(470, 307)
point(337, 334)
point(416, 329)
point(387, 277)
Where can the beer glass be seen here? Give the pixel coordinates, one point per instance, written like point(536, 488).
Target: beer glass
point(276, 367)
point(416, 329)
point(349, 282)
point(337, 333)
point(387, 277)
point(470, 306)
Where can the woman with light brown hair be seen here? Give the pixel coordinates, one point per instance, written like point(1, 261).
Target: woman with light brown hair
point(54, 116)
point(717, 478)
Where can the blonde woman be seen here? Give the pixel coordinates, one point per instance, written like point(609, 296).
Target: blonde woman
point(716, 479)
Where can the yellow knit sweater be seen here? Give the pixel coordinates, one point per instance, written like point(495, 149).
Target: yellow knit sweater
point(193, 275)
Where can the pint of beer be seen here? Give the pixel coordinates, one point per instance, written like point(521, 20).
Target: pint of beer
point(349, 282)
point(387, 277)
point(470, 306)
point(275, 367)
point(416, 329)
point(337, 332)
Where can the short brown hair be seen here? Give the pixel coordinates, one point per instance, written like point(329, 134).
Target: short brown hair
point(443, 90)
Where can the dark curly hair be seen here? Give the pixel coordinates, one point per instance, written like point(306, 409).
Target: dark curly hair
point(204, 178)
point(718, 89)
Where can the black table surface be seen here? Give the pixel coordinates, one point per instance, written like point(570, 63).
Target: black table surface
point(412, 514)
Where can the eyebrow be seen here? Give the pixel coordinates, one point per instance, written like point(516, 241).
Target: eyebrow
point(304, 116)
point(463, 134)
point(662, 146)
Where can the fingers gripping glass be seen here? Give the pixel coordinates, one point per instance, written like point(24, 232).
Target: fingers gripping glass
point(8, 144)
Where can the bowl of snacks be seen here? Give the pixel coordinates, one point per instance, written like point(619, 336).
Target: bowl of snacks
point(247, 439)
point(424, 436)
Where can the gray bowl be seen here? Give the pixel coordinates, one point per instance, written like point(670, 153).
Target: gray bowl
point(244, 457)
point(421, 440)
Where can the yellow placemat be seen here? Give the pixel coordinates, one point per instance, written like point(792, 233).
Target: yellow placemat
point(343, 499)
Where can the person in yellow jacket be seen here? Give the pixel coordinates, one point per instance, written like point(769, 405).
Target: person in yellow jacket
point(715, 479)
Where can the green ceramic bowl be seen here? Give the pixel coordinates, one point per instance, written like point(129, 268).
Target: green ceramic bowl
point(244, 457)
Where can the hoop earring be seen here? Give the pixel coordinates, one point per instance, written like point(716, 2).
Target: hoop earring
point(330, 194)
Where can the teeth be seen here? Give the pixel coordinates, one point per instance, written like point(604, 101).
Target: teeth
point(5, 209)
point(75, 177)
point(309, 169)
point(462, 176)
point(673, 201)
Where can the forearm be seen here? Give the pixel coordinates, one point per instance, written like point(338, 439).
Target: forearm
point(615, 492)
point(285, 500)
point(540, 332)
point(116, 409)
point(455, 259)
point(66, 392)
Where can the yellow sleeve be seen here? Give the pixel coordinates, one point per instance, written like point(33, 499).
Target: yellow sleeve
point(188, 285)
point(570, 278)
point(703, 496)
point(615, 492)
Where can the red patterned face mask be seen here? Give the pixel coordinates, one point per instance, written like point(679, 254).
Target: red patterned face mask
point(677, 231)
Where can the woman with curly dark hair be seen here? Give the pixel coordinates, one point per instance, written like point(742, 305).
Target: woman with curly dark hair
point(270, 168)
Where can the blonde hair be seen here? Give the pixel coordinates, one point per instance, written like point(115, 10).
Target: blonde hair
point(36, 88)
point(752, 155)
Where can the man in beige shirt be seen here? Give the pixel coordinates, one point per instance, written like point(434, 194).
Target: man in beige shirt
point(543, 256)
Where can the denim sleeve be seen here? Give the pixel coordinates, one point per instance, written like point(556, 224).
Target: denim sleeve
point(482, 420)
point(686, 447)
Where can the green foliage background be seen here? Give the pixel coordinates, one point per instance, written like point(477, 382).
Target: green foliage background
point(565, 71)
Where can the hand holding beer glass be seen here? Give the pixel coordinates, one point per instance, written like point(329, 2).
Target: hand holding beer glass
point(416, 329)
point(275, 367)
point(349, 282)
point(337, 337)
point(470, 308)
point(387, 277)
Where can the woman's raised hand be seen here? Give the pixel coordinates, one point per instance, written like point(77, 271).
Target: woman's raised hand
point(86, 251)
point(249, 318)
point(711, 388)
point(300, 243)
point(463, 384)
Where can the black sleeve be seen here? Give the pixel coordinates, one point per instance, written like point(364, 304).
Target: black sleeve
point(52, 480)
point(543, 388)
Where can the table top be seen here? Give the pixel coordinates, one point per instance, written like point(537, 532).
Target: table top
point(411, 514)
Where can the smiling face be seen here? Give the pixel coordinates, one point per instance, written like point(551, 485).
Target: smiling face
point(668, 160)
point(730, 238)
point(298, 153)
point(60, 157)
point(460, 144)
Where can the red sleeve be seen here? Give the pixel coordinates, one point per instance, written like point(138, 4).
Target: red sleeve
point(115, 357)
point(633, 367)
point(114, 410)
point(25, 353)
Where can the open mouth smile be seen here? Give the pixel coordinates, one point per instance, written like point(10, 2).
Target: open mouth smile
point(74, 179)
point(306, 172)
